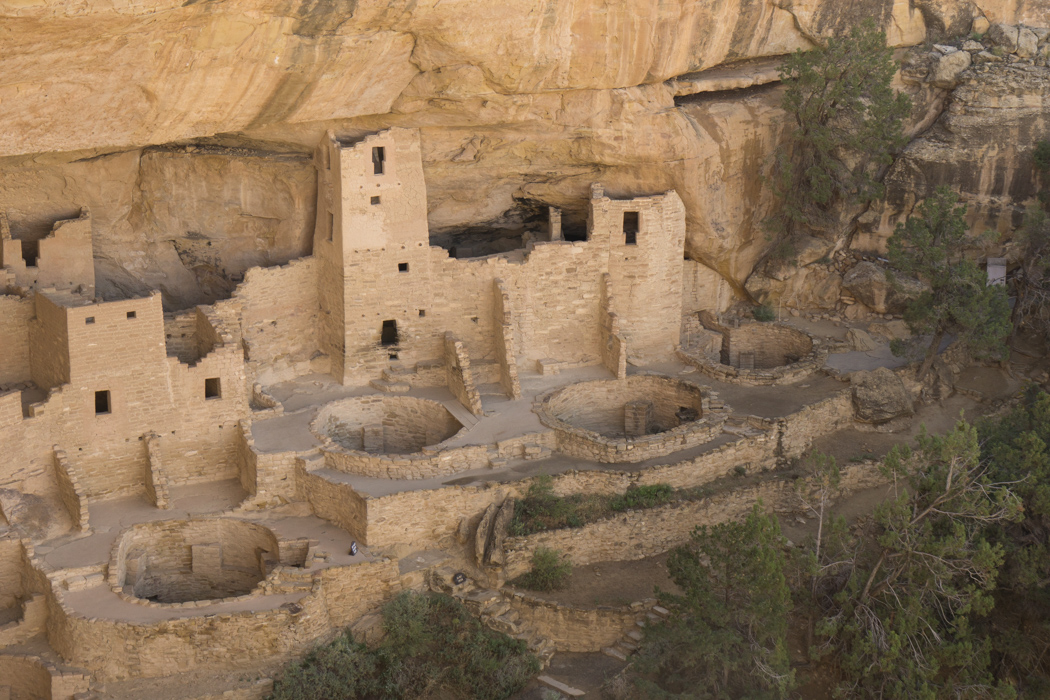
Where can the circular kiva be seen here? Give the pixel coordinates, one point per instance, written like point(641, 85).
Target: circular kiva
point(630, 420)
point(385, 424)
point(392, 437)
point(761, 354)
point(172, 562)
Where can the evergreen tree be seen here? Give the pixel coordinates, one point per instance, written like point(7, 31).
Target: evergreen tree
point(726, 635)
point(958, 300)
point(902, 625)
point(847, 122)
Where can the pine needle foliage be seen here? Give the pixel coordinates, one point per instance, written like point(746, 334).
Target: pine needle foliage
point(958, 300)
point(847, 121)
point(726, 635)
point(433, 649)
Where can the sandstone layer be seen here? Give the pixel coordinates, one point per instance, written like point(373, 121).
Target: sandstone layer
point(521, 106)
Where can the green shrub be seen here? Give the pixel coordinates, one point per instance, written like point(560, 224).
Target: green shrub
point(434, 648)
point(764, 313)
point(643, 497)
point(550, 571)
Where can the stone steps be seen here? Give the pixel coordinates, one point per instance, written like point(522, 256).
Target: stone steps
point(628, 644)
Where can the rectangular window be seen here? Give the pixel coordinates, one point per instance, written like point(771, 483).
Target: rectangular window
point(378, 156)
point(102, 405)
point(331, 226)
point(389, 336)
point(89, 320)
point(131, 314)
point(375, 201)
point(422, 313)
point(402, 267)
point(630, 227)
point(212, 388)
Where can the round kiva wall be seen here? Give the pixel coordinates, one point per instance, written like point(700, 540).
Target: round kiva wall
point(385, 424)
point(764, 346)
point(629, 420)
point(180, 561)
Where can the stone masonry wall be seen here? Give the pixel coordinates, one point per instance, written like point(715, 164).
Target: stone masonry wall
point(118, 347)
point(572, 628)
point(15, 313)
point(460, 377)
point(70, 491)
point(644, 533)
point(278, 310)
point(506, 344)
point(771, 344)
point(801, 428)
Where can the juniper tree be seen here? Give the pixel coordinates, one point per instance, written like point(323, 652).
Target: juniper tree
point(846, 124)
point(901, 623)
point(726, 634)
point(958, 299)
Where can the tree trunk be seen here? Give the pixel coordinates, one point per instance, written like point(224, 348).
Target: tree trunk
point(931, 353)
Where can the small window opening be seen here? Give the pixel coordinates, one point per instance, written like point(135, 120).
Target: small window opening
point(89, 320)
point(30, 252)
point(402, 267)
point(630, 227)
point(378, 156)
point(131, 314)
point(392, 356)
point(375, 201)
point(422, 313)
point(212, 388)
point(101, 403)
point(389, 336)
point(331, 226)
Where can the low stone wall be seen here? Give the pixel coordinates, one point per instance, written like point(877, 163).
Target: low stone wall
point(430, 463)
point(428, 517)
point(801, 428)
point(575, 628)
point(333, 501)
point(70, 490)
point(461, 380)
point(644, 533)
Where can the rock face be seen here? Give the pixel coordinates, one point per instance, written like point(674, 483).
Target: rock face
point(981, 145)
point(869, 285)
point(520, 106)
point(879, 396)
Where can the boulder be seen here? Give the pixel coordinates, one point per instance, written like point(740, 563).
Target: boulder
point(868, 284)
point(1027, 43)
point(1004, 36)
point(893, 330)
point(879, 396)
point(860, 340)
point(980, 25)
point(948, 69)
